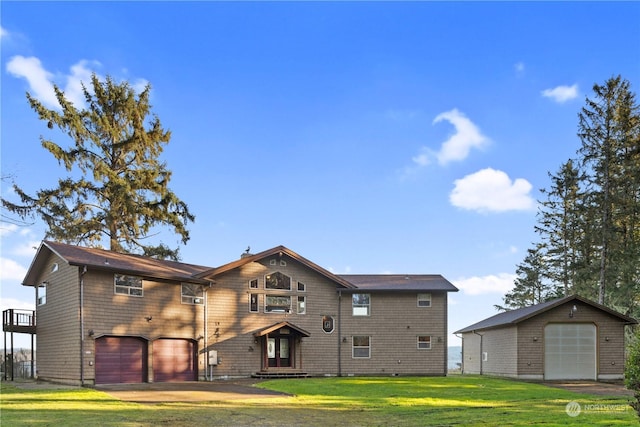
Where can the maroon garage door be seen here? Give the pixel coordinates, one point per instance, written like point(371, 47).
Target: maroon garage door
point(120, 360)
point(174, 360)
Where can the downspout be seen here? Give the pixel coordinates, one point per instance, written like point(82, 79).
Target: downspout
point(461, 354)
point(480, 335)
point(81, 276)
point(206, 333)
point(339, 333)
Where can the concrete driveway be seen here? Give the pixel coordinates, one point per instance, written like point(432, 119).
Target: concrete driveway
point(199, 391)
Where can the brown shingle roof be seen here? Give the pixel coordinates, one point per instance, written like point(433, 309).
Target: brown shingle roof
point(513, 317)
point(113, 261)
point(399, 282)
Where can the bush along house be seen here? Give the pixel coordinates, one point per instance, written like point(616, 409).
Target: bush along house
point(105, 317)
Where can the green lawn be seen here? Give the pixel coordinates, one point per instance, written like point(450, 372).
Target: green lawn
point(397, 401)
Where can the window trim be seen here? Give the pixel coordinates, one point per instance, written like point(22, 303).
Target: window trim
point(257, 303)
point(42, 293)
point(252, 282)
point(354, 347)
point(128, 288)
point(423, 299)
point(428, 342)
point(195, 299)
point(277, 289)
point(301, 287)
point(355, 306)
point(285, 311)
point(304, 304)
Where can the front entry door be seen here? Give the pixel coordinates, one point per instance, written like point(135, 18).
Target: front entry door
point(278, 352)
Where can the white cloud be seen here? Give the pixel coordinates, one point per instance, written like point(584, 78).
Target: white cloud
point(466, 137)
point(490, 190)
point(11, 270)
point(561, 94)
point(16, 304)
point(3, 33)
point(26, 249)
point(519, 67)
point(41, 81)
point(38, 78)
point(80, 73)
point(6, 229)
point(501, 283)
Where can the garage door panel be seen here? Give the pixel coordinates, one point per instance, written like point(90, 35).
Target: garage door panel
point(570, 351)
point(120, 360)
point(174, 360)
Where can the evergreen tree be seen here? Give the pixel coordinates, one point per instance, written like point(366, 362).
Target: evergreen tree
point(608, 130)
point(116, 188)
point(531, 286)
point(559, 226)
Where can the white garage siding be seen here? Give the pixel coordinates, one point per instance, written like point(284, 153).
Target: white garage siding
point(570, 351)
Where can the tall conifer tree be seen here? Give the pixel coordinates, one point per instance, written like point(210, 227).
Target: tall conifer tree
point(116, 188)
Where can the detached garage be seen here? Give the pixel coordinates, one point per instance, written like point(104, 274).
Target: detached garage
point(569, 338)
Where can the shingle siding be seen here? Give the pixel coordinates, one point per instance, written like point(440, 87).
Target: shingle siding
point(57, 325)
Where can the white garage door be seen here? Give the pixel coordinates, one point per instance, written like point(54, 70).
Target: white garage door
point(570, 351)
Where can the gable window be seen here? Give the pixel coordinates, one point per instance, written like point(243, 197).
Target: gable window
point(192, 294)
point(361, 347)
point(253, 284)
point(42, 293)
point(277, 280)
point(424, 342)
point(277, 304)
point(302, 304)
point(424, 300)
point(253, 303)
point(301, 287)
point(128, 285)
point(361, 304)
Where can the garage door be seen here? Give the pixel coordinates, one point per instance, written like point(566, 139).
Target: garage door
point(174, 360)
point(120, 360)
point(570, 351)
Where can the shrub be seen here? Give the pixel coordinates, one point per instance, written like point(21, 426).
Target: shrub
point(632, 371)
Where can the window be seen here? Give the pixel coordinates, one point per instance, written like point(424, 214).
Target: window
point(54, 267)
point(253, 284)
point(361, 348)
point(277, 280)
point(42, 293)
point(192, 293)
point(301, 287)
point(302, 305)
point(128, 285)
point(361, 303)
point(253, 303)
point(424, 300)
point(424, 342)
point(277, 304)
point(485, 356)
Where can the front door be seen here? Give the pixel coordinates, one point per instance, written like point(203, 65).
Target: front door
point(279, 352)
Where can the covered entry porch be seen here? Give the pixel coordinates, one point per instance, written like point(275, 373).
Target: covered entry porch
point(281, 350)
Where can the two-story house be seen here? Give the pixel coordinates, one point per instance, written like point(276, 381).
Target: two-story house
point(105, 317)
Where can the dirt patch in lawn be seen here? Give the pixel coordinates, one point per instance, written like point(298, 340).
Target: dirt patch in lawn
point(592, 387)
point(200, 391)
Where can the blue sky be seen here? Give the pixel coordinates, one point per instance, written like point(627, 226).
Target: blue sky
point(383, 137)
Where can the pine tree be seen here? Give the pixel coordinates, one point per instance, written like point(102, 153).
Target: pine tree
point(117, 188)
